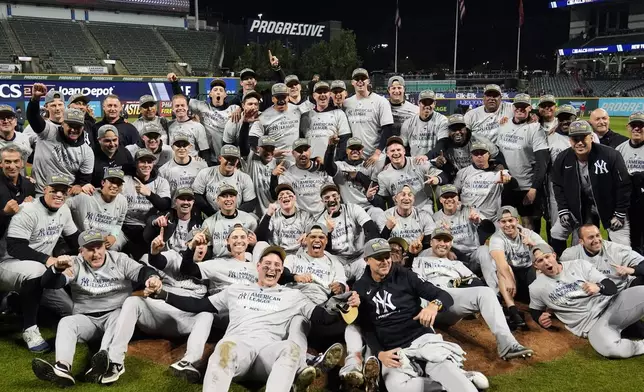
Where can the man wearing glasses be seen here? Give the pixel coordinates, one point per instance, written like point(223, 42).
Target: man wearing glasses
point(486, 119)
point(148, 108)
point(525, 149)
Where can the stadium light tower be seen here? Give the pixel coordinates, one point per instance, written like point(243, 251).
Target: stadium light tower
point(197, 15)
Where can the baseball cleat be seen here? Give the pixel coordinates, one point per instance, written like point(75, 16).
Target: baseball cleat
point(99, 364)
point(330, 359)
point(371, 374)
point(352, 379)
point(59, 374)
point(114, 372)
point(304, 379)
point(518, 351)
point(515, 321)
point(185, 370)
point(35, 341)
point(478, 379)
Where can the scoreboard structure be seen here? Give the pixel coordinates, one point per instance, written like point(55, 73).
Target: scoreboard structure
point(176, 7)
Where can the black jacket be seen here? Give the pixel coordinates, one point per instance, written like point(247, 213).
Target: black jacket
point(122, 159)
point(17, 192)
point(610, 183)
point(127, 132)
point(387, 308)
point(267, 96)
point(612, 139)
point(151, 231)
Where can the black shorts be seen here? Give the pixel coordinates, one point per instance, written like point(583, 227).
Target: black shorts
point(514, 198)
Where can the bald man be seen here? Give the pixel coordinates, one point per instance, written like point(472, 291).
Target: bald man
point(600, 121)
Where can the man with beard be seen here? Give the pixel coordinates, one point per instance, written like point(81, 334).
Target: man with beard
point(209, 180)
point(600, 121)
point(259, 166)
point(338, 93)
point(618, 262)
point(281, 121)
point(525, 150)
point(104, 210)
point(177, 224)
point(61, 149)
point(405, 221)
point(254, 346)
point(349, 227)
point(510, 272)
point(213, 114)
point(369, 116)
point(182, 170)
point(324, 121)
point(486, 119)
point(81, 102)
point(31, 237)
point(480, 184)
point(592, 185)
point(466, 227)
point(422, 130)
point(584, 300)
point(469, 293)
point(148, 108)
point(237, 132)
point(284, 226)
point(144, 191)
point(405, 171)
point(100, 281)
point(109, 154)
point(183, 124)
point(401, 109)
point(227, 215)
point(305, 177)
point(151, 141)
point(112, 114)
point(632, 152)
point(8, 134)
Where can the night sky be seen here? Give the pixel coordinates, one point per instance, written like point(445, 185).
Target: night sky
point(488, 32)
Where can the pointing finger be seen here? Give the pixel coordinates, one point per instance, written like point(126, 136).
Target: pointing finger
point(270, 55)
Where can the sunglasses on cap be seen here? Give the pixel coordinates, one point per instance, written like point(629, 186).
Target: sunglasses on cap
point(578, 138)
point(355, 148)
point(637, 124)
point(360, 78)
point(149, 105)
point(427, 101)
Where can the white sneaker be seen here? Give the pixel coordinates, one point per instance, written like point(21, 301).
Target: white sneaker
point(478, 379)
point(34, 340)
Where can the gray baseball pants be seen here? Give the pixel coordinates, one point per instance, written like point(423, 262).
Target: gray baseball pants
point(605, 336)
point(155, 317)
point(84, 328)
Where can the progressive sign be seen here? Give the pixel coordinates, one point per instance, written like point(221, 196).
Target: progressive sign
point(258, 26)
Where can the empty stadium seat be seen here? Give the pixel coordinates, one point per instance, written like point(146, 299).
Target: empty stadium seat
point(194, 47)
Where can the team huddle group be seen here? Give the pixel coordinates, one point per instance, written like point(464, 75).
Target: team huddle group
point(345, 226)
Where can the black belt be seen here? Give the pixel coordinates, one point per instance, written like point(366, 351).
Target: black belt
point(98, 314)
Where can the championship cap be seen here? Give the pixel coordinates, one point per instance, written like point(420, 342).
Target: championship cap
point(247, 73)
point(376, 247)
point(441, 232)
point(396, 78)
point(395, 140)
point(6, 109)
point(543, 247)
point(291, 79)
point(237, 226)
point(455, 119)
point(283, 187)
point(354, 142)
point(146, 99)
point(321, 86)
point(90, 236)
point(508, 210)
point(144, 153)
point(317, 225)
point(359, 72)
point(183, 192)
point(400, 187)
point(400, 241)
point(252, 94)
point(59, 180)
point(105, 129)
point(427, 94)
point(301, 143)
point(492, 87)
point(548, 98)
point(180, 137)
point(580, 128)
point(328, 187)
point(448, 188)
point(279, 89)
point(53, 94)
point(273, 249)
point(218, 82)
point(78, 97)
point(338, 84)
point(566, 109)
point(266, 140)
point(479, 146)
point(636, 117)
point(113, 172)
point(150, 128)
point(229, 150)
point(226, 189)
point(522, 99)
point(74, 116)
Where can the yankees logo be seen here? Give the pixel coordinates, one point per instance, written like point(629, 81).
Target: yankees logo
point(600, 167)
point(383, 304)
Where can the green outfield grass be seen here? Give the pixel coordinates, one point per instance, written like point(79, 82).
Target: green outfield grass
point(581, 370)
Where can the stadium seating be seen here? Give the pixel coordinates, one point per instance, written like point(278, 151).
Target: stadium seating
point(5, 48)
point(600, 87)
point(194, 47)
point(561, 85)
point(64, 40)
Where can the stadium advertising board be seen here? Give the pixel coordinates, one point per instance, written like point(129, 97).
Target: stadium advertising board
point(167, 6)
point(568, 3)
point(621, 106)
point(232, 84)
point(602, 49)
point(288, 29)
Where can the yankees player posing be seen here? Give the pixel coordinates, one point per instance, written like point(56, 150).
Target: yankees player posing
point(259, 166)
point(183, 124)
point(148, 108)
point(486, 119)
point(151, 141)
point(237, 132)
point(100, 282)
point(408, 222)
point(254, 345)
point(469, 293)
point(425, 127)
point(401, 109)
point(182, 169)
point(584, 300)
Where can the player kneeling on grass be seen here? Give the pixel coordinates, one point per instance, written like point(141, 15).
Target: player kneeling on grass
point(470, 294)
point(100, 281)
point(584, 300)
point(254, 346)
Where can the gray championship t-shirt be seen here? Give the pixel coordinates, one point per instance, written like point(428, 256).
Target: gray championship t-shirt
point(411, 227)
point(175, 282)
point(439, 271)
point(480, 189)
point(412, 174)
point(307, 187)
point(195, 132)
point(461, 157)
point(260, 175)
point(224, 272)
point(403, 112)
point(633, 157)
point(487, 124)
point(324, 271)
point(517, 254)
point(366, 118)
point(213, 120)
point(283, 127)
point(519, 143)
point(142, 122)
point(317, 127)
point(465, 234)
point(181, 176)
point(557, 143)
point(210, 179)
point(92, 212)
point(287, 230)
point(218, 226)
point(421, 135)
point(139, 205)
point(21, 141)
point(352, 190)
point(347, 237)
point(163, 155)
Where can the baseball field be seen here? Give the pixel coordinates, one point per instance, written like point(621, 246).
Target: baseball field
point(562, 362)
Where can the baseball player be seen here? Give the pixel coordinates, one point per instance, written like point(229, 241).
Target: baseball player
point(8, 134)
point(547, 112)
point(100, 281)
point(108, 153)
point(237, 132)
point(248, 82)
point(525, 150)
point(422, 130)
point(405, 171)
point(324, 121)
point(151, 141)
point(295, 92)
point(228, 215)
point(584, 300)
point(254, 346)
point(369, 116)
point(182, 170)
point(81, 102)
point(349, 226)
point(104, 210)
point(209, 180)
point(511, 271)
point(487, 118)
point(305, 177)
point(183, 124)
point(259, 166)
point(338, 93)
point(408, 222)
point(480, 184)
point(469, 293)
point(31, 238)
point(143, 191)
point(148, 114)
point(401, 109)
point(285, 225)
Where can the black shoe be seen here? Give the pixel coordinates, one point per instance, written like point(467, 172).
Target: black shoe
point(59, 374)
point(515, 321)
point(113, 373)
point(99, 364)
point(185, 370)
point(518, 351)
